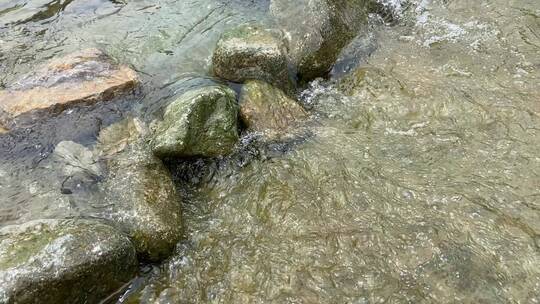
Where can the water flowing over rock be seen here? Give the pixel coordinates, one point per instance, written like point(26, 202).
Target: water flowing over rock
point(83, 77)
point(317, 30)
point(139, 195)
point(63, 261)
point(251, 51)
point(264, 108)
point(201, 122)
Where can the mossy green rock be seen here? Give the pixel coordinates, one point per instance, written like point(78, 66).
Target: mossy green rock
point(251, 51)
point(144, 202)
point(318, 30)
point(201, 122)
point(63, 261)
point(264, 108)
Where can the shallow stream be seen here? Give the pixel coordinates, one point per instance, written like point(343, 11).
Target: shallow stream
point(417, 179)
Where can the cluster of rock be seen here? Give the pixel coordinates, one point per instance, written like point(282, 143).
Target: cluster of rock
point(57, 260)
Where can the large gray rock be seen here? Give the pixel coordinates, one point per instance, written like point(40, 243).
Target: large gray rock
point(63, 261)
point(139, 196)
point(264, 108)
point(318, 30)
point(201, 122)
point(251, 51)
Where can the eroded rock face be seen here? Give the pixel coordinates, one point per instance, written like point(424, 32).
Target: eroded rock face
point(201, 122)
point(63, 261)
point(251, 51)
point(139, 194)
point(317, 30)
point(83, 77)
point(264, 108)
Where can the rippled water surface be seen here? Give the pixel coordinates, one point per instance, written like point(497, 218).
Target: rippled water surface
point(417, 179)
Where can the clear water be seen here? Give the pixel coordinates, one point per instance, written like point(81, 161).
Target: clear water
point(417, 179)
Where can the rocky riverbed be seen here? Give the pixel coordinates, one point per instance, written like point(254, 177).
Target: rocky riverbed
point(315, 151)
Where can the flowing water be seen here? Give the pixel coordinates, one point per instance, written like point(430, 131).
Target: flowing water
point(417, 179)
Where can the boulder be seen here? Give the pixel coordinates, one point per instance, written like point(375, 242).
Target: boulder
point(317, 30)
point(84, 77)
point(264, 108)
point(200, 122)
point(63, 261)
point(251, 51)
point(139, 196)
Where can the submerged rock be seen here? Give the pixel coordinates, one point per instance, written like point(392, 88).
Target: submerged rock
point(77, 159)
point(250, 51)
point(139, 195)
point(146, 205)
point(371, 82)
point(201, 122)
point(119, 136)
point(317, 30)
point(264, 108)
point(83, 77)
point(63, 261)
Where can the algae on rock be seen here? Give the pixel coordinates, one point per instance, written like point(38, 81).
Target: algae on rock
point(201, 122)
point(251, 51)
point(63, 261)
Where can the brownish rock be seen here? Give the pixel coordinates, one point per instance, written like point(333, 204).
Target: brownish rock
point(83, 77)
point(267, 109)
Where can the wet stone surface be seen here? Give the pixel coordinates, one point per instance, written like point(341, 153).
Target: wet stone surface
point(139, 198)
point(83, 77)
point(317, 31)
point(266, 109)
point(63, 261)
point(200, 122)
point(251, 51)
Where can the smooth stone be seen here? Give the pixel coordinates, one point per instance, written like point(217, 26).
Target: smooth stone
point(84, 77)
point(267, 109)
point(63, 261)
point(251, 51)
point(143, 202)
point(200, 122)
point(317, 30)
